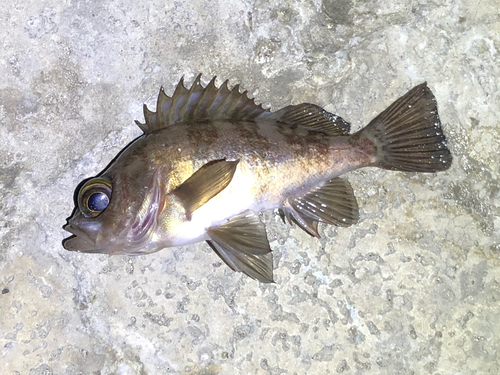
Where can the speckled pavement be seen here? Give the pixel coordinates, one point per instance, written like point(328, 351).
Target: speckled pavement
point(413, 288)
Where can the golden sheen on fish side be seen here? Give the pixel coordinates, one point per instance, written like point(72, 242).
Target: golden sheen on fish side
point(210, 160)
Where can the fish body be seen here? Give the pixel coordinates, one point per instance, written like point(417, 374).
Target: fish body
point(210, 159)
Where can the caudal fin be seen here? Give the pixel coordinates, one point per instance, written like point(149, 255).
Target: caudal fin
point(408, 134)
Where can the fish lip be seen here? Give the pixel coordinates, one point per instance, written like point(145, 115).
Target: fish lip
point(77, 232)
point(77, 244)
point(79, 241)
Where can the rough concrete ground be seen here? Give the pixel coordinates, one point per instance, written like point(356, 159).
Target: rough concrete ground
point(414, 288)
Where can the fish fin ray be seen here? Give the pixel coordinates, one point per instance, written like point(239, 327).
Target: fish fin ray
point(312, 117)
point(331, 203)
point(243, 233)
point(199, 104)
point(204, 184)
point(408, 134)
point(243, 245)
point(304, 222)
point(171, 108)
point(149, 119)
point(258, 267)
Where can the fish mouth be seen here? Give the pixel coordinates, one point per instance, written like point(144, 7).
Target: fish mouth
point(79, 241)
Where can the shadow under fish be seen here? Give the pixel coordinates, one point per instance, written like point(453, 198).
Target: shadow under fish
point(210, 160)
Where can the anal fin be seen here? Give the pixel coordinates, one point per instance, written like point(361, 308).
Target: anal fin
point(332, 203)
point(242, 244)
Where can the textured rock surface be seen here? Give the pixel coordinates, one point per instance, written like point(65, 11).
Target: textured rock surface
point(414, 288)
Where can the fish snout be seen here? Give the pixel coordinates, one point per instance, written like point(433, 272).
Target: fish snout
point(84, 235)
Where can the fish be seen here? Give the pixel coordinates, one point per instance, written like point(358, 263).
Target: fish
point(210, 160)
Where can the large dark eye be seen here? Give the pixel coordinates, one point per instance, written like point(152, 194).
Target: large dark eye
point(98, 201)
point(94, 197)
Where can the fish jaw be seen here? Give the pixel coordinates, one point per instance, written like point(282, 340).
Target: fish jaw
point(79, 244)
point(84, 236)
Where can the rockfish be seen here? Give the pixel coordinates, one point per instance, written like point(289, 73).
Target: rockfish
point(211, 159)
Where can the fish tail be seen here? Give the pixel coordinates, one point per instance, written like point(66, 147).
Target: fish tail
point(408, 134)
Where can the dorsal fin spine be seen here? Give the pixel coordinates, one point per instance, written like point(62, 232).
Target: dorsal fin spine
point(196, 111)
point(161, 103)
point(224, 88)
point(177, 100)
point(147, 114)
point(190, 92)
point(192, 102)
point(257, 111)
point(200, 104)
point(236, 89)
point(252, 109)
point(223, 93)
point(142, 126)
point(240, 106)
point(202, 109)
point(180, 106)
point(162, 98)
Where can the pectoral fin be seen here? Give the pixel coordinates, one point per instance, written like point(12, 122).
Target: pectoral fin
point(242, 244)
point(332, 203)
point(204, 184)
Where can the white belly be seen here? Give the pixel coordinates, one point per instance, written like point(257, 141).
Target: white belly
point(240, 195)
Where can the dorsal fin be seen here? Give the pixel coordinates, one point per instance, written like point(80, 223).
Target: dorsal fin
point(199, 104)
point(310, 116)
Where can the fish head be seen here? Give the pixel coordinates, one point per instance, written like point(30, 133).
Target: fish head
point(116, 213)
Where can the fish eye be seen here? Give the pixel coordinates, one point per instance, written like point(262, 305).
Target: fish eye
point(94, 197)
point(98, 201)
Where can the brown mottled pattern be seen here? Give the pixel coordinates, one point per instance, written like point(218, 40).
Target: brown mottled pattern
point(282, 160)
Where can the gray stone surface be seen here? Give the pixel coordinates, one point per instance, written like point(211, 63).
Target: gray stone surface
point(414, 288)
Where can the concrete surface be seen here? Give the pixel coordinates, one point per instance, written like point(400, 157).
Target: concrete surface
point(414, 288)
